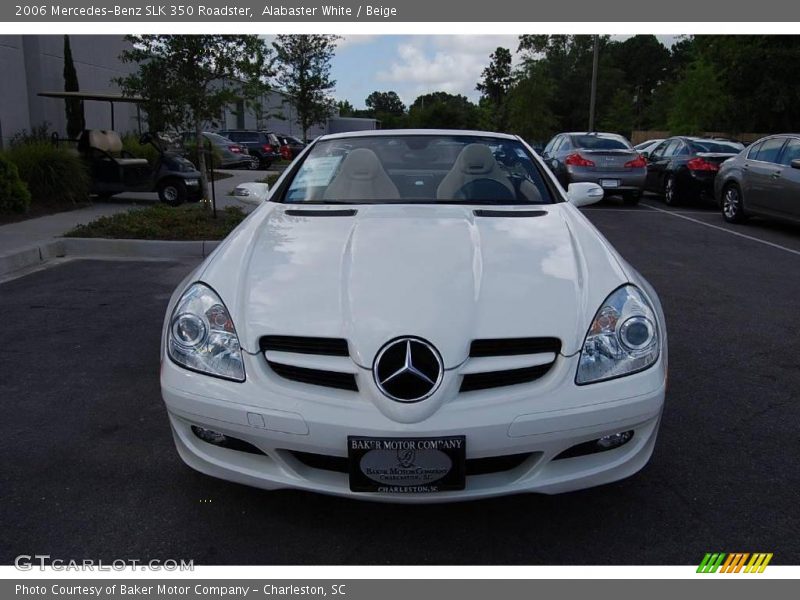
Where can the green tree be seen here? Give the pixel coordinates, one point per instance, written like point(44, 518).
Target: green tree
point(530, 104)
point(386, 103)
point(699, 101)
point(189, 79)
point(345, 108)
point(495, 83)
point(387, 108)
point(76, 121)
point(303, 71)
point(644, 63)
point(441, 110)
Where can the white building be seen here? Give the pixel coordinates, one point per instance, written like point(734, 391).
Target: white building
point(30, 64)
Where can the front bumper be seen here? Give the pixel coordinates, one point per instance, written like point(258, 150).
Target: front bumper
point(543, 418)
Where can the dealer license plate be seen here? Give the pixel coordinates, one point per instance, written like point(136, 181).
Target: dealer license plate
point(406, 465)
point(609, 183)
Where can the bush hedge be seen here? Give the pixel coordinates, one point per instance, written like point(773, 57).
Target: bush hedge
point(160, 222)
point(14, 194)
point(54, 175)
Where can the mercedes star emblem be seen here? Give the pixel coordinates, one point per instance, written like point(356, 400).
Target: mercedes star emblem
point(408, 369)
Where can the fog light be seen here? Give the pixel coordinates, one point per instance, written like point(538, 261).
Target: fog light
point(615, 440)
point(207, 435)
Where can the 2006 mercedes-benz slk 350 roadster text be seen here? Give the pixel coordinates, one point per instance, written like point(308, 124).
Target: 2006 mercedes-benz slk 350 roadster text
point(416, 316)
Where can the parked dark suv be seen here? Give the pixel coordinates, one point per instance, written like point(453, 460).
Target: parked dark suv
point(264, 145)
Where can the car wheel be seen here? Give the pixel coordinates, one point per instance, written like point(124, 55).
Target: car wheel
point(172, 192)
point(732, 207)
point(631, 198)
point(254, 164)
point(670, 191)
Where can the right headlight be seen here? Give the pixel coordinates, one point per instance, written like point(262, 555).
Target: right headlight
point(202, 336)
point(622, 339)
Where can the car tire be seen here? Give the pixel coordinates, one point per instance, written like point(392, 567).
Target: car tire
point(732, 204)
point(670, 190)
point(266, 164)
point(254, 164)
point(631, 198)
point(172, 192)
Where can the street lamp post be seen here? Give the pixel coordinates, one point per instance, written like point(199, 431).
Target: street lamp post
point(593, 96)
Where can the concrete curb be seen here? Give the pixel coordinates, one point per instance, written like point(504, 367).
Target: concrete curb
point(98, 248)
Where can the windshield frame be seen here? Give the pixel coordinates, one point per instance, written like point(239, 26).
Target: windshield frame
point(278, 196)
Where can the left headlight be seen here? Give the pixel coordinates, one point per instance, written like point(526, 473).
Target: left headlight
point(623, 338)
point(202, 337)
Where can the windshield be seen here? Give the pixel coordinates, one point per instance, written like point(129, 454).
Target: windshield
point(418, 169)
point(600, 142)
point(718, 146)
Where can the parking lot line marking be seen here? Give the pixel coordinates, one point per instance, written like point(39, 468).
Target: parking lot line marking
point(736, 233)
point(639, 210)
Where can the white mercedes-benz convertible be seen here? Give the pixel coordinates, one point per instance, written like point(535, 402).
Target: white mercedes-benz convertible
point(415, 316)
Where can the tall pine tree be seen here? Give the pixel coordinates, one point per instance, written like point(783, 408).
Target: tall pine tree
point(76, 121)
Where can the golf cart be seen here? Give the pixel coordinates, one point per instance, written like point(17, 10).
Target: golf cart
point(113, 170)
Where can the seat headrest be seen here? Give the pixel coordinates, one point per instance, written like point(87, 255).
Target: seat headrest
point(104, 139)
point(476, 159)
point(362, 164)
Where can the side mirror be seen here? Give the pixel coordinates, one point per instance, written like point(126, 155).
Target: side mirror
point(583, 194)
point(796, 163)
point(252, 192)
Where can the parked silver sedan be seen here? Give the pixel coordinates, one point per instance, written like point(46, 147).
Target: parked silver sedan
point(606, 159)
point(763, 180)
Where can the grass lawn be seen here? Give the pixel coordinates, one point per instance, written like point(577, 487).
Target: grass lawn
point(161, 222)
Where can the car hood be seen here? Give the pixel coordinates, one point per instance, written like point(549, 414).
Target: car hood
point(437, 272)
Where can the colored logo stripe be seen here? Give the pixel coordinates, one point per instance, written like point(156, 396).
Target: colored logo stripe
point(734, 562)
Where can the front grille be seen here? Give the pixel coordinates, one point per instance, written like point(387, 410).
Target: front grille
point(513, 346)
point(508, 347)
point(494, 379)
point(331, 379)
point(304, 345)
point(309, 345)
point(474, 466)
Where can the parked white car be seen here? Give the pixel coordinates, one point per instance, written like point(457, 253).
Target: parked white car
point(416, 316)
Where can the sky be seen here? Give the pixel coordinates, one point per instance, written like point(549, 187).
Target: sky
point(412, 65)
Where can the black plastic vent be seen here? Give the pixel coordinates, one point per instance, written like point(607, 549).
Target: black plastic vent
point(350, 212)
point(513, 214)
point(514, 346)
point(474, 466)
point(494, 379)
point(304, 345)
point(330, 379)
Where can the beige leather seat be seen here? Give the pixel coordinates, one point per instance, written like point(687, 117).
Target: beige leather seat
point(475, 162)
point(109, 141)
point(361, 177)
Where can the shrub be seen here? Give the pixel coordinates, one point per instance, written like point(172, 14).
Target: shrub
point(54, 175)
point(160, 222)
point(14, 194)
point(39, 133)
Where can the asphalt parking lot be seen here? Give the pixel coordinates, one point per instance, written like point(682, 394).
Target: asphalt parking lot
point(89, 469)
